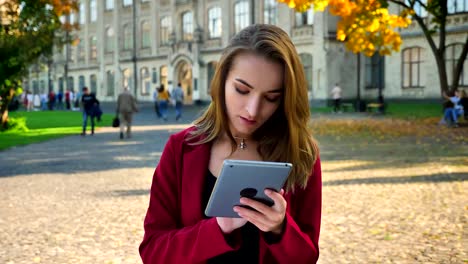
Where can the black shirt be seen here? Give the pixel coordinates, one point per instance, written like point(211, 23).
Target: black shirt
point(248, 252)
point(88, 101)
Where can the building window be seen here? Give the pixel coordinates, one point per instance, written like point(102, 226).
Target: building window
point(110, 83)
point(42, 87)
point(305, 18)
point(187, 26)
point(127, 79)
point(241, 15)
point(145, 34)
point(81, 50)
point(109, 39)
point(127, 2)
point(72, 18)
point(457, 6)
point(374, 71)
point(92, 11)
point(210, 71)
point(165, 30)
point(145, 78)
point(93, 48)
point(93, 83)
point(69, 84)
point(411, 67)
point(109, 4)
point(128, 38)
point(214, 22)
point(306, 60)
point(452, 54)
point(418, 9)
point(35, 86)
point(81, 82)
point(82, 19)
point(154, 76)
point(163, 75)
point(270, 12)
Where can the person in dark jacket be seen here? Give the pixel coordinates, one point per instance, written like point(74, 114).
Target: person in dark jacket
point(88, 102)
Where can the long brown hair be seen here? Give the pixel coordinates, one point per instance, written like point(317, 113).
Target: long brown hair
point(286, 136)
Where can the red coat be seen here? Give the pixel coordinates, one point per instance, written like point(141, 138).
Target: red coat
point(175, 228)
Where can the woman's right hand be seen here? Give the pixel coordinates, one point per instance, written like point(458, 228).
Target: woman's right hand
point(228, 224)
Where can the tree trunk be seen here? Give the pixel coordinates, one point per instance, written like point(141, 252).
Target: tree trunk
point(8, 96)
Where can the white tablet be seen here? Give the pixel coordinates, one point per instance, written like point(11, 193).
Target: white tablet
point(243, 178)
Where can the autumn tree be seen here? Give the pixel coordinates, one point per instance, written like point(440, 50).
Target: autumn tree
point(28, 29)
point(366, 26)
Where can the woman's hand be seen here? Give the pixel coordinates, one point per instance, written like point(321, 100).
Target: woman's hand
point(266, 218)
point(228, 224)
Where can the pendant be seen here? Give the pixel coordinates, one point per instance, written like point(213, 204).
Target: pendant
point(242, 144)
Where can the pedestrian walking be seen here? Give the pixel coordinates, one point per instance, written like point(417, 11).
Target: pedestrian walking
point(336, 94)
point(156, 102)
point(67, 99)
point(258, 87)
point(88, 101)
point(126, 106)
point(178, 95)
point(163, 99)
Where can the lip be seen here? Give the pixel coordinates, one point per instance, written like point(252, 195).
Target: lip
point(248, 121)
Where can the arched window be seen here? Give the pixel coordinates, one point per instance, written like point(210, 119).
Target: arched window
point(93, 83)
point(93, 48)
point(109, 39)
point(306, 60)
point(110, 76)
point(81, 82)
point(128, 38)
point(92, 11)
point(80, 50)
point(214, 22)
point(270, 12)
point(187, 26)
point(210, 72)
point(165, 30)
point(452, 54)
point(82, 19)
point(241, 15)
point(411, 65)
point(145, 34)
point(305, 18)
point(145, 78)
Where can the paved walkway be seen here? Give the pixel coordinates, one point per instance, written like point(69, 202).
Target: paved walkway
point(83, 200)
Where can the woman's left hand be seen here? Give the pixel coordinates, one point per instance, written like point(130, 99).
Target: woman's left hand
point(266, 218)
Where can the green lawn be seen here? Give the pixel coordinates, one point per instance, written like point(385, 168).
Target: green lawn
point(46, 125)
point(400, 110)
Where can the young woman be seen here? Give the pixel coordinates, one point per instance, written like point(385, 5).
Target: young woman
point(259, 111)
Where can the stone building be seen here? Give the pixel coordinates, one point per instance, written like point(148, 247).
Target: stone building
point(181, 41)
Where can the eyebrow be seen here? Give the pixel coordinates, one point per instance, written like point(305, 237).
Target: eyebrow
point(251, 87)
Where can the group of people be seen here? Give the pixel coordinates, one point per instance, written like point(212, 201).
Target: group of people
point(455, 106)
point(50, 101)
point(162, 98)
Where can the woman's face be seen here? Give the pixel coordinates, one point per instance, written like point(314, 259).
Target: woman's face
point(254, 89)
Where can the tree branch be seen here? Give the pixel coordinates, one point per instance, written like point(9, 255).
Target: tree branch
point(460, 62)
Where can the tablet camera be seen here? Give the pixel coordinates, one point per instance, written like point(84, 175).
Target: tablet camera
point(248, 192)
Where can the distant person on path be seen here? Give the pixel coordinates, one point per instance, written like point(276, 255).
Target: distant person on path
point(60, 100)
point(88, 101)
point(336, 95)
point(455, 110)
point(258, 87)
point(126, 106)
point(67, 99)
point(29, 101)
point(51, 100)
point(163, 99)
point(156, 102)
point(178, 95)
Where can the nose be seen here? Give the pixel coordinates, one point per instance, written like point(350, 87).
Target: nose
point(253, 107)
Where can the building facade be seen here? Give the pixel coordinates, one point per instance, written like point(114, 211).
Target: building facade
point(142, 44)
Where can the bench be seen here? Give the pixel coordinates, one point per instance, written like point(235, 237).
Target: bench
point(374, 108)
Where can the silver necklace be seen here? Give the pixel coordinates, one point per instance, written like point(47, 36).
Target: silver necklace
point(242, 144)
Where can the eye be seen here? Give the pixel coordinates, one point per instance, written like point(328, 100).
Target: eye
point(241, 91)
point(272, 99)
